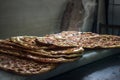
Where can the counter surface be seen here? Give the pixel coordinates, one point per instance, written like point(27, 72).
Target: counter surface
point(105, 69)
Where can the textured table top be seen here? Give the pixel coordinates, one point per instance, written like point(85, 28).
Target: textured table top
point(105, 69)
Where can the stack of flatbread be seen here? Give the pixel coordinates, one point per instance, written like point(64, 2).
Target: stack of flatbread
point(25, 55)
point(34, 55)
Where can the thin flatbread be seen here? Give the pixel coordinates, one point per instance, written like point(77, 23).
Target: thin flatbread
point(89, 39)
point(65, 38)
point(23, 66)
point(41, 53)
point(39, 58)
point(101, 41)
point(31, 42)
point(48, 53)
point(27, 42)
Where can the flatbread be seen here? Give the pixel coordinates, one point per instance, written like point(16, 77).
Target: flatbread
point(41, 53)
point(72, 35)
point(47, 53)
point(31, 42)
point(23, 66)
point(39, 58)
point(87, 39)
point(53, 42)
point(38, 54)
point(65, 38)
point(101, 41)
point(27, 42)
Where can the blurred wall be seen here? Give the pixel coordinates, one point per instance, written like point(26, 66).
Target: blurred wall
point(30, 17)
point(114, 12)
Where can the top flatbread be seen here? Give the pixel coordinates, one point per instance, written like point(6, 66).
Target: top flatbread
point(86, 39)
point(27, 42)
point(65, 39)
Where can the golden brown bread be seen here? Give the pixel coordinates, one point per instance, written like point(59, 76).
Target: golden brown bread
point(84, 39)
point(101, 41)
point(23, 66)
point(49, 56)
point(46, 51)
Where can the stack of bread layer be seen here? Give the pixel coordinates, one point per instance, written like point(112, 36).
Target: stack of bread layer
point(24, 55)
point(34, 55)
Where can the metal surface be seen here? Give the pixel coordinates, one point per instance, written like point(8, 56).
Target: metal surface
point(105, 69)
